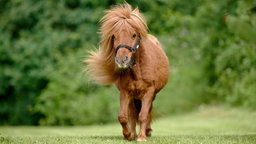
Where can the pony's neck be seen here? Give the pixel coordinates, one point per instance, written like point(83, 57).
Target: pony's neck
point(136, 69)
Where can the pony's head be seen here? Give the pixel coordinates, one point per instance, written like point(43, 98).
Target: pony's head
point(126, 45)
point(122, 30)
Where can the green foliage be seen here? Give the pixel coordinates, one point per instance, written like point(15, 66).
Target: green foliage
point(210, 44)
point(69, 99)
point(231, 56)
point(33, 34)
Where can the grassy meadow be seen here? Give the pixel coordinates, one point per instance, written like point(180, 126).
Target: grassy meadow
point(209, 125)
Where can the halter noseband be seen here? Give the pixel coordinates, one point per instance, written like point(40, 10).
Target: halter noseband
point(132, 49)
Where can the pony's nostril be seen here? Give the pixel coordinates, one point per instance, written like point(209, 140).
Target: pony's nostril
point(125, 59)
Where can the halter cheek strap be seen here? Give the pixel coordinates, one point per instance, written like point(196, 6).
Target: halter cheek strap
point(132, 49)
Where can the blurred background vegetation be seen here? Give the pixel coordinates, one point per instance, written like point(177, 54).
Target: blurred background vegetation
point(211, 46)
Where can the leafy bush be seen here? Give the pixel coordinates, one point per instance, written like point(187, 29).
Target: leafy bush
point(33, 34)
point(231, 54)
point(69, 99)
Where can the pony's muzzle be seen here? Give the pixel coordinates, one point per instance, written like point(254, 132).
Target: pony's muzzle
point(122, 62)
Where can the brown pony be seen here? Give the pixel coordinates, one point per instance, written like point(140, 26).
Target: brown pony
point(134, 60)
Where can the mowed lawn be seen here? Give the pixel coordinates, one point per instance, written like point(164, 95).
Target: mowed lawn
point(210, 125)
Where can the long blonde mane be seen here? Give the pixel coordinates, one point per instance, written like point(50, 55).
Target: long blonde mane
point(101, 66)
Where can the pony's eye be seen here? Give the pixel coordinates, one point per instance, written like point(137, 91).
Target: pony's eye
point(113, 37)
point(134, 35)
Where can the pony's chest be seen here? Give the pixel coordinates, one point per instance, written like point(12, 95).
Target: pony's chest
point(133, 83)
point(135, 88)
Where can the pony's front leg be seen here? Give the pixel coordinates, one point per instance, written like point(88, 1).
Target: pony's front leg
point(123, 115)
point(144, 116)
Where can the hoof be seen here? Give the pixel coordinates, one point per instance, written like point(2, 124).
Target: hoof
point(148, 132)
point(129, 136)
point(133, 136)
point(141, 140)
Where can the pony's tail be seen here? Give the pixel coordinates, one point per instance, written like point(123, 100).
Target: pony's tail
point(98, 70)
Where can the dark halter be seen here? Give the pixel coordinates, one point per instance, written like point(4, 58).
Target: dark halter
point(132, 49)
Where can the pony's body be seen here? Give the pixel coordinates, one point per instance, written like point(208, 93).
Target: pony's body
point(139, 74)
point(151, 69)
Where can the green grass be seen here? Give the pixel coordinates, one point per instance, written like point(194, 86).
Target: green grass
point(210, 125)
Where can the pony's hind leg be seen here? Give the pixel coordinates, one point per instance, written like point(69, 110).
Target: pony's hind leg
point(148, 129)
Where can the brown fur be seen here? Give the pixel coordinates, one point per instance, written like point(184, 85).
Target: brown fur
point(139, 84)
